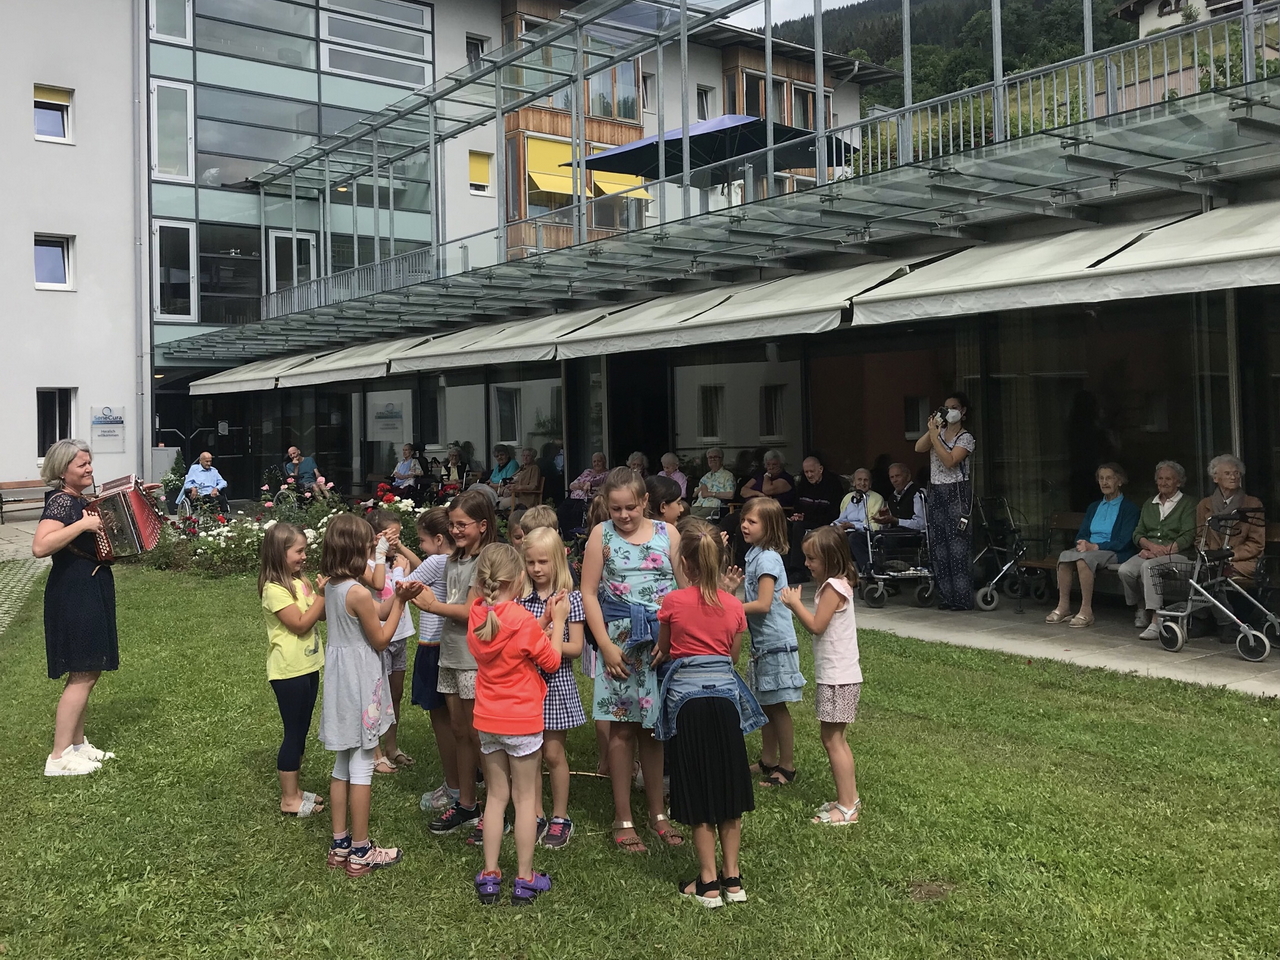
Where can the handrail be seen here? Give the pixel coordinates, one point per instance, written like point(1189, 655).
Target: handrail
point(1185, 59)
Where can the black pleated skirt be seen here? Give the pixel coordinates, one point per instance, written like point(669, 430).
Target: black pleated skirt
point(707, 759)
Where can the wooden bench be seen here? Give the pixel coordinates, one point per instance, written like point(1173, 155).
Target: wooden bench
point(1062, 529)
point(32, 497)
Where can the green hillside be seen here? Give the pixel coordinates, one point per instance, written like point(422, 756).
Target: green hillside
point(951, 39)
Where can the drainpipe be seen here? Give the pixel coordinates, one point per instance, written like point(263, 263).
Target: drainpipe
point(142, 249)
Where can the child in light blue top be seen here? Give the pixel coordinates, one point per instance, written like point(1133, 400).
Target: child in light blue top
point(774, 672)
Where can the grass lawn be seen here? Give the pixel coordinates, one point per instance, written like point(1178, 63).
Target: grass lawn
point(1014, 809)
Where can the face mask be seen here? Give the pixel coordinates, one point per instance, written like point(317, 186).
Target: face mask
point(953, 415)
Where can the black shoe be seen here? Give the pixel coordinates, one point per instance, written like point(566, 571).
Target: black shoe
point(455, 818)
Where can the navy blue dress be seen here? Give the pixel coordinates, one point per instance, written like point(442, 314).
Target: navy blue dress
point(79, 600)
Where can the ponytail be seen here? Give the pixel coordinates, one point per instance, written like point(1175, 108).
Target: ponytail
point(702, 553)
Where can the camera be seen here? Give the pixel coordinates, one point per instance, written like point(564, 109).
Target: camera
point(963, 523)
point(940, 415)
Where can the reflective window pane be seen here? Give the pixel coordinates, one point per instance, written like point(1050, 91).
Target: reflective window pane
point(372, 35)
point(51, 261)
point(215, 171)
point(625, 91)
point(262, 13)
point(261, 45)
point(173, 270)
point(51, 120)
point(386, 9)
point(378, 68)
point(234, 139)
point(172, 133)
point(247, 108)
point(170, 17)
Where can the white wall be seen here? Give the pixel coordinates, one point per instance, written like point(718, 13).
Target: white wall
point(85, 338)
point(464, 417)
point(741, 425)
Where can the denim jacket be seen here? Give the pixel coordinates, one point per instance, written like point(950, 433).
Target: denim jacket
point(644, 622)
point(703, 676)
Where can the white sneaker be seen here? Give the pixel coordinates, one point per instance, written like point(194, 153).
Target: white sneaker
point(441, 798)
point(1151, 633)
point(70, 764)
point(88, 750)
point(1140, 618)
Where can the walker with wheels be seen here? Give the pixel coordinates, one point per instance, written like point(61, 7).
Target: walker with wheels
point(1203, 584)
point(1003, 549)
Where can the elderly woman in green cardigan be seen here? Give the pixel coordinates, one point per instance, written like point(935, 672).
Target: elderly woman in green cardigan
point(1166, 528)
point(1105, 537)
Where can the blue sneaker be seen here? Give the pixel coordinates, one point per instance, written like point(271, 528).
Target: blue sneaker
point(489, 887)
point(527, 891)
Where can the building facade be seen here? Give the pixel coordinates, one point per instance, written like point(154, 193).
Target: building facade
point(77, 348)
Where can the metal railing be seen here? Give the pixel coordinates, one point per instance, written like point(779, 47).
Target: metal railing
point(1178, 62)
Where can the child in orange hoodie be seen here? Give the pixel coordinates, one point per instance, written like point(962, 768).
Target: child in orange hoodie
point(509, 645)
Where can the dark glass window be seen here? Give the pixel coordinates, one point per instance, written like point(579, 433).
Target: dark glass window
point(173, 268)
point(53, 418)
point(237, 41)
point(247, 108)
point(51, 260)
point(262, 13)
point(51, 120)
point(233, 139)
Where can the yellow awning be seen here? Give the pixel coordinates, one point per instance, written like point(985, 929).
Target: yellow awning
point(52, 94)
point(478, 164)
point(545, 159)
point(606, 183)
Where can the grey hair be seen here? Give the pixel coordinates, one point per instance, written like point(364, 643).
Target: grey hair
point(529, 450)
point(58, 458)
point(716, 450)
point(773, 455)
point(600, 454)
point(899, 465)
point(1177, 469)
point(1225, 458)
point(1115, 468)
point(861, 470)
point(670, 456)
point(644, 461)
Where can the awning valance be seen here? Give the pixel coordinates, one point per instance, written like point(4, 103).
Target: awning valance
point(608, 183)
point(545, 160)
point(367, 361)
point(259, 375)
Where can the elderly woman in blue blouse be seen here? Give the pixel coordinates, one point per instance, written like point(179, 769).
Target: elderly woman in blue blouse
point(1105, 536)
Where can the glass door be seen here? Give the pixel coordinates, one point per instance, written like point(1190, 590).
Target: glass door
point(282, 260)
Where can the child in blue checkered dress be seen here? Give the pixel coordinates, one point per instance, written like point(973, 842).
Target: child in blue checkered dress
point(547, 573)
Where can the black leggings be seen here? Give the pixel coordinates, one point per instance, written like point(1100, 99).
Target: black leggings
point(296, 698)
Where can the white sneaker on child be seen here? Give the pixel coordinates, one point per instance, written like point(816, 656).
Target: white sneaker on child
point(70, 764)
point(87, 749)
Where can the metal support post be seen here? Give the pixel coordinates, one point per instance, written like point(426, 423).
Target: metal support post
point(293, 229)
point(262, 237)
point(662, 137)
point(391, 208)
point(1089, 98)
point(578, 137)
point(355, 222)
point(684, 109)
point(500, 168)
point(770, 110)
point(377, 188)
point(906, 52)
point(1250, 51)
point(431, 175)
point(326, 235)
point(997, 71)
point(819, 96)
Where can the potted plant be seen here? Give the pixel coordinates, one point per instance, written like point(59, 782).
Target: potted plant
point(171, 482)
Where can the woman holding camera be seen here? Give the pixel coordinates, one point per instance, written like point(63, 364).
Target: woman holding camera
point(949, 444)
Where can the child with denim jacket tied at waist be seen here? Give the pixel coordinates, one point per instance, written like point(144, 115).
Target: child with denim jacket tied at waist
point(509, 645)
point(705, 712)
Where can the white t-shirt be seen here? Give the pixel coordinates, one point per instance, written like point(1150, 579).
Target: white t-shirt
point(939, 472)
point(835, 650)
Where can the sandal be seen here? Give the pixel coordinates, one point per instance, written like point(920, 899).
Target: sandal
point(1080, 620)
point(632, 844)
point(311, 803)
point(1056, 617)
point(401, 759)
point(762, 768)
point(726, 882)
point(848, 815)
point(707, 894)
point(384, 765)
point(668, 835)
point(779, 777)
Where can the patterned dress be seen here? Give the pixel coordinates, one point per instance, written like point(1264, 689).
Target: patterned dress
point(639, 574)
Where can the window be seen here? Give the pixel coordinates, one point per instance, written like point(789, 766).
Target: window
point(230, 273)
point(731, 93)
point(771, 411)
point(172, 132)
point(174, 255)
point(648, 92)
point(371, 66)
point(802, 108)
point(270, 14)
point(753, 104)
point(507, 403)
point(915, 417)
point(171, 20)
point(281, 274)
point(393, 10)
point(710, 411)
point(704, 103)
point(215, 104)
point(53, 417)
point(475, 49)
point(375, 36)
point(240, 41)
point(53, 263)
point(481, 176)
point(52, 114)
point(614, 93)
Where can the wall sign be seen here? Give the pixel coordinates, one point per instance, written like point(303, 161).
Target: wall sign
point(106, 429)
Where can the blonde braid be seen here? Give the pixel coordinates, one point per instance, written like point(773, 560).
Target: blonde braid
point(498, 565)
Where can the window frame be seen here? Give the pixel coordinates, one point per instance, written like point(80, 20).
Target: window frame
point(193, 255)
point(514, 396)
point(60, 393)
point(775, 396)
point(427, 66)
point(481, 42)
point(189, 90)
point(701, 100)
point(272, 235)
point(428, 14)
point(326, 37)
point(154, 33)
point(68, 132)
point(719, 389)
point(68, 260)
point(487, 189)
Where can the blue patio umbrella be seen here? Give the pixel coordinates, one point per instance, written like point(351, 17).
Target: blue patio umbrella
point(721, 141)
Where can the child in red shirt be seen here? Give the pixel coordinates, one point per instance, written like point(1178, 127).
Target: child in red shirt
point(509, 645)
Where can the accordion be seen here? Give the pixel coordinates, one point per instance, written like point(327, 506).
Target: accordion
point(130, 523)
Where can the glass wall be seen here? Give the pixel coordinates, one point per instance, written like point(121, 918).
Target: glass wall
point(1258, 350)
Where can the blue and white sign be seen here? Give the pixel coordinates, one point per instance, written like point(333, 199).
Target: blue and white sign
point(106, 429)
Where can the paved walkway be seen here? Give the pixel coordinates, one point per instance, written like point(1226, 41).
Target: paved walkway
point(1112, 642)
point(16, 577)
point(15, 537)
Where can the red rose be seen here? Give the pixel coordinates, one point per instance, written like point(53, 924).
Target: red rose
point(383, 488)
point(389, 498)
point(221, 518)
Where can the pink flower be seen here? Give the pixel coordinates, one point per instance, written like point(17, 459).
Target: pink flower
point(290, 480)
point(652, 562)
point(646, 703)
point(619, 589)
point(268, 504)
point(319, 479)
point(266, 486)
point(329, 486)
point(307, 494)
